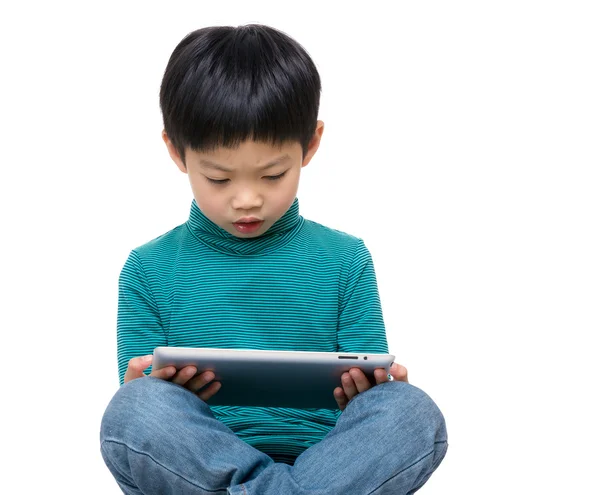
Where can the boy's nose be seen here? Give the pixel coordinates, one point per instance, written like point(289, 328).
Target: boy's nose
point(247, 200)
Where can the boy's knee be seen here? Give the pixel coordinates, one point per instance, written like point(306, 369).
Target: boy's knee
point(403, 403)
point(133, 406)
point(414, 405)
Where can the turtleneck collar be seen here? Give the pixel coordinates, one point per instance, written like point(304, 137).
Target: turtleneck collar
point(280, 233)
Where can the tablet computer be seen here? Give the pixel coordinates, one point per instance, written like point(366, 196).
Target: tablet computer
point(296, 379)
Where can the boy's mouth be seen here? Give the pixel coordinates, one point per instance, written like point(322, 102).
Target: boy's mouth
point(248, 225)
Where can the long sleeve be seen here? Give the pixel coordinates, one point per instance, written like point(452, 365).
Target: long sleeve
point(139, 328)
point(360, 323)
point(309, 287)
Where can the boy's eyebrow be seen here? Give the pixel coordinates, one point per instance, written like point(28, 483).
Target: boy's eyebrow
point(216, 166)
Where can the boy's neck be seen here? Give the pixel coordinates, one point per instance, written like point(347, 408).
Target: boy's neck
point(209, 233)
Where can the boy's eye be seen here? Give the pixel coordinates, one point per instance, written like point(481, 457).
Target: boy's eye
point(275, 177)
point(217, 181)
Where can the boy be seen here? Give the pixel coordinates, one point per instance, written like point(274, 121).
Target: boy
point(247, 271)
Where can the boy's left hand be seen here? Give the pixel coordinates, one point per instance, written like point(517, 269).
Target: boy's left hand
point(354, 382)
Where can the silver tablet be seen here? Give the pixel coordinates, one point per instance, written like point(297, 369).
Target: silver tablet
point(296, 379)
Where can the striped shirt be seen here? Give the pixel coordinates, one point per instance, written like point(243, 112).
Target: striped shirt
point(300, 286)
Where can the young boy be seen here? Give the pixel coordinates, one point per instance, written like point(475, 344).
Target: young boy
point(247, 271)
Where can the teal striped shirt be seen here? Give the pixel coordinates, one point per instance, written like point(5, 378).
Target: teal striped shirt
point(300, 286)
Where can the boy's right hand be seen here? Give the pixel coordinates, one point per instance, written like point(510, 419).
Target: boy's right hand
point(184, 377)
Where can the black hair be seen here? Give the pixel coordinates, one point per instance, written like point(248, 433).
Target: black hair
point(224, 85)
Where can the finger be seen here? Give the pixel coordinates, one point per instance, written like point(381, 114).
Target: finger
point(381, 376)
point(164, 373)
point(184, 375)
point(200, 381)
point(399, 372)
point(360, 380)
point(349, 386)
point(340, 398)
point(211, 390)
point(136, 367)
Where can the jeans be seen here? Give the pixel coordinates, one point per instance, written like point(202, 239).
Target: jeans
point(159, 438)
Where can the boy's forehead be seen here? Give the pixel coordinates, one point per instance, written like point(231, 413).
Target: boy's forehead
point(249, 153)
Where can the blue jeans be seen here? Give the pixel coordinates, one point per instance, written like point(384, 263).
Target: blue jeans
point(159, 438)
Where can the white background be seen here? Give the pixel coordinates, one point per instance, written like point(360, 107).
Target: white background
point(461, 143)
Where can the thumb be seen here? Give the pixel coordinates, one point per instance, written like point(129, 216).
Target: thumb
point(399, 372)
point(136, 367)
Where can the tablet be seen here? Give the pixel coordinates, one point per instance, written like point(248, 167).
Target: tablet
point(297, 379)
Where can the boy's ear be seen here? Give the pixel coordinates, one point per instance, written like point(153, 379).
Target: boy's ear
point(313, 146)
point(174, 153)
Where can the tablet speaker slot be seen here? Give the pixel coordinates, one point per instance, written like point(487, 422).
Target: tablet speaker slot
point(347, 357)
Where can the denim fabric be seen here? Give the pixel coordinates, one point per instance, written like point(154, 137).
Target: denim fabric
point(159, 438)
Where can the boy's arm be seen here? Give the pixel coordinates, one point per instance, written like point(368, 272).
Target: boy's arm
point(139, 328)
point(360, 322)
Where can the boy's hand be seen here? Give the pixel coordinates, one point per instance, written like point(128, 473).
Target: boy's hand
point(184, 377)
point(354, 382)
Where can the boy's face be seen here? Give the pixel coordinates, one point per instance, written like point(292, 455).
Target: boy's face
point(246, 190)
